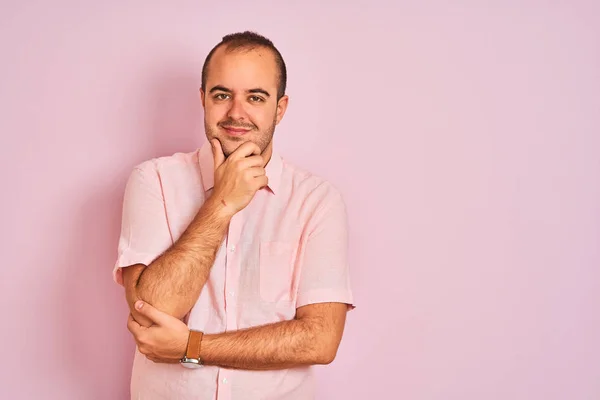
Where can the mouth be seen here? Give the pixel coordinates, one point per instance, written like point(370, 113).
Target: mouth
point(235, 131)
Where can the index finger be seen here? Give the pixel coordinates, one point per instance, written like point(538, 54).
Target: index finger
point(218, 155)
point(133, 325)
point(246, 149)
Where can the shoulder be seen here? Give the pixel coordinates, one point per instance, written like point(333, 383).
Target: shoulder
point(178, 162)
point(165, 169)
point(157, 174)
point(313, 187)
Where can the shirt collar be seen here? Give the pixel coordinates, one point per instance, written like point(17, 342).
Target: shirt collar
point(273, 168)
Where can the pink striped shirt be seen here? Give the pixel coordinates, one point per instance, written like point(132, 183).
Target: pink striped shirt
point(286, 249)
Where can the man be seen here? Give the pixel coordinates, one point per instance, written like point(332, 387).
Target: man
point(234, 262)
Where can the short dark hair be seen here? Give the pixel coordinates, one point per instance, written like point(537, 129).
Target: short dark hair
point(249, 40)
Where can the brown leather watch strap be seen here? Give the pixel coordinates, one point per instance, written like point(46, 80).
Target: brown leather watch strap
point(193, 346)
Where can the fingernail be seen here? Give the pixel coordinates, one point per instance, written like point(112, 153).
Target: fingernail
point(139, 304)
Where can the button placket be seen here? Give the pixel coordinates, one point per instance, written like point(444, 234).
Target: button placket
point(223, 386)
point(232, 271)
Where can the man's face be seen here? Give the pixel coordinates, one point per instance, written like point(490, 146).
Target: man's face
point(240, 102)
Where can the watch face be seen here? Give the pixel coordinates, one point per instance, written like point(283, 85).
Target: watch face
point(191, 365)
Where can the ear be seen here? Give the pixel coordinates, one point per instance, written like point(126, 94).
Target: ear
point(281, 107)
point(202, 98)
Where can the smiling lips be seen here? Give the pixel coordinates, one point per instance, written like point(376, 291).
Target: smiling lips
point(234, 131)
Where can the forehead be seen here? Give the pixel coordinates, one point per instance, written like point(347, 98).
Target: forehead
point(242, 69)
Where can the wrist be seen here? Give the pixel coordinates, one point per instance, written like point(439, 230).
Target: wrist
point(219, 209)
point(206, 353)
point(191, 357)
point(184, 343)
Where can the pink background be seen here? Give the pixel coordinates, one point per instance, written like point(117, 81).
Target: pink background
point(466, 141)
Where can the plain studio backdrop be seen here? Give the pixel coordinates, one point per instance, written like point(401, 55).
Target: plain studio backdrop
point(465, 139)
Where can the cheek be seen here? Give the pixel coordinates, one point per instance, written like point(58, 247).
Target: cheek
point(213, 115)
point(263, 119)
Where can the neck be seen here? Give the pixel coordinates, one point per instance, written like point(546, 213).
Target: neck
point(268, 153)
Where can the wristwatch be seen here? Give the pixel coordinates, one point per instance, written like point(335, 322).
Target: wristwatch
point(191, 359)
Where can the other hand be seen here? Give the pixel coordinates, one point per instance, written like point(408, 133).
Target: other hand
point(165, 341)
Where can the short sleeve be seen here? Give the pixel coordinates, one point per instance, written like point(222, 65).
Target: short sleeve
point(324, 274)
point(144, 228)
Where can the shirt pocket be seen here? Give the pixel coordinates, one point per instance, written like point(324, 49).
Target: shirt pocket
point(276, 266)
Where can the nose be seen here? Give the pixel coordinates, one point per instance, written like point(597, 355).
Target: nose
point(236, 111)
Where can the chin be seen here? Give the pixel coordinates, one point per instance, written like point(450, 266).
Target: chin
point(229, 146)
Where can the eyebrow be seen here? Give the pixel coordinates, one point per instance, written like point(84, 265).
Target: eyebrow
point(259, 90)
point(219, 88)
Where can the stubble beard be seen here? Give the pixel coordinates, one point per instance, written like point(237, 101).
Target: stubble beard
point(263, 139)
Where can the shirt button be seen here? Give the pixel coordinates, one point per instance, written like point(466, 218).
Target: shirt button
point(232, 293)
point(232, 249)
point(225, 380)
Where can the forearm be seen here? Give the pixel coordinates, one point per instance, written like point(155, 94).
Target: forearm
point(173, 282)
point(280, 345)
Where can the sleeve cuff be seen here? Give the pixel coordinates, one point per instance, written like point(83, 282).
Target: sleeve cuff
point(326, 296)
point(127, 258)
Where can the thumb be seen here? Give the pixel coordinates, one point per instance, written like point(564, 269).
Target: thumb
point(147, 310)
point(218, 155)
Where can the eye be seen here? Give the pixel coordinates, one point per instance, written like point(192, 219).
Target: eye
point(256, 99)
point(221, 96)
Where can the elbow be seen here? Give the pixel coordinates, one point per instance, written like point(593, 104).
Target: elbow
point(131, 277)
point(170, 308)
point(325, 359)
point(326, 353)
point(323, 343)
point(137, 289)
